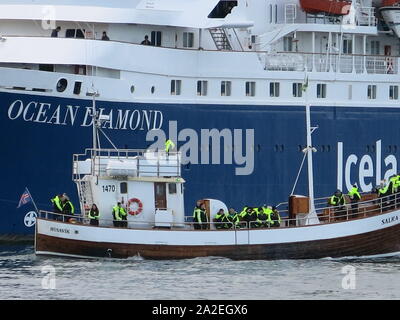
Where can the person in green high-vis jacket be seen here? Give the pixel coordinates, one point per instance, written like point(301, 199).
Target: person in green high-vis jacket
point(354, 196)
point(200, 217)
point(120, 216)
point(169, 145)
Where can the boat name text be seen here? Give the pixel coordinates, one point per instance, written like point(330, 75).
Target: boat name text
point(390, 220)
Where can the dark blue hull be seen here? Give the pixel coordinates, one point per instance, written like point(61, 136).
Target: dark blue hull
point(40, 134)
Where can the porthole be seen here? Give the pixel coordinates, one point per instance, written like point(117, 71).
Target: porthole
point(132, 89)
point(153, 89)
point(62, 85)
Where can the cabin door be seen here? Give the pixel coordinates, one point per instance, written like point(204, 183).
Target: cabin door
point(160, 192)
point(388, 50)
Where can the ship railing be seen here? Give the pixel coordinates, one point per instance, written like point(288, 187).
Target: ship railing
point(326, 215)
point(126, 163)
point(327, 62)
point(365, 16)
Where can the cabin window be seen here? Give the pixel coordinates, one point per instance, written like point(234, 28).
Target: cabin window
point(172, 188)
point(156, 38)
point(274, 89)
point(270, 14)
point(176, 87)
point(132, 89)
point(153, 89)
point(250, 88)
point(77, 87)
point(226, 88)
point(394, 92)
point(297, 90)
point(288, 44)
point(75, 33)
point(350, 92)
point(123, 187)
point(321, 90)
point(375, 47)
point(276, 13)
point(347, 46)
point(188, 39)
point(371, 92)
point(202, 88)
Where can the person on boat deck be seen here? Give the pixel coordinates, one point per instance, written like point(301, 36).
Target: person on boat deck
point(54, 32)
point(120, 216)
point(354, 196)
point(233, 217)
point(94, 215)
point(57, 206)
point(275, 217)
point(222, 220)
point(200, 216)
point(68, 208)
point(169, 145)
point(105, 37)
point(146, 41)
point(249, 215)
point(338, 201)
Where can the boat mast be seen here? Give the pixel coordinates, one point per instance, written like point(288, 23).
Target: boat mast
point(309, 150)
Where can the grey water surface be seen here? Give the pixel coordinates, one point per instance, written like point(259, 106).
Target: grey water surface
point(26, 276)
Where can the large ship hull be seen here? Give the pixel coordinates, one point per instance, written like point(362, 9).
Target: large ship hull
point(355, 144)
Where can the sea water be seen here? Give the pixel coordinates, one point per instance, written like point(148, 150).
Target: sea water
point(23, 275)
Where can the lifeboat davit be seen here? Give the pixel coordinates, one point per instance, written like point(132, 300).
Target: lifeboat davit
point(330, 7)
point(390, 12)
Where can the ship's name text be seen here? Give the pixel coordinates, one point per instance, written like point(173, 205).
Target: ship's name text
point(58, 230)
point(41, 112)
point(390, 220)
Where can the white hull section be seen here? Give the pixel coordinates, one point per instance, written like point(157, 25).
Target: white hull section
point(221, 238)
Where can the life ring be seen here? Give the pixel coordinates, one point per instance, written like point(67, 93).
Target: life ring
point(139, 206)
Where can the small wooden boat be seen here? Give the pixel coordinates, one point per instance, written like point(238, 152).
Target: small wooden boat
point(330, 7)
point(150, 187)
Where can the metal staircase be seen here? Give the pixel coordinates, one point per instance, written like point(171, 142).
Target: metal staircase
point(220, 39)
point(85, 195)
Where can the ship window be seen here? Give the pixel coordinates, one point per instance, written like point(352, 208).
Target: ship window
point(274, 89)
point(172, 188)
point(123, 187)
point(394, 92)
point(297, 90)
point(321, 90)
point(276, 13)
point(75, 33)
point(375, 47)
point(188, 39)
point(202, 88)
point(176, 87)
point(288, 44)
point(156, 38)
point(347, 46)
point(226, 88)
point(153, 89)
point(371, 92)
point(77, 87)
point(350, 92)
point(132, 89)
point(250, 88)
point(62, 85)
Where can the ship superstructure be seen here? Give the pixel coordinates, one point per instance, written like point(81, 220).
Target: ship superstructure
point(223, 79)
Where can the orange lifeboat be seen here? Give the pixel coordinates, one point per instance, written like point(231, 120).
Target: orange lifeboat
point(388, 3)
point(330, 7)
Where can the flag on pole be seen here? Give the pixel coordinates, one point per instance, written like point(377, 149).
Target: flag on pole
point(25, 198)
point(305, 84)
